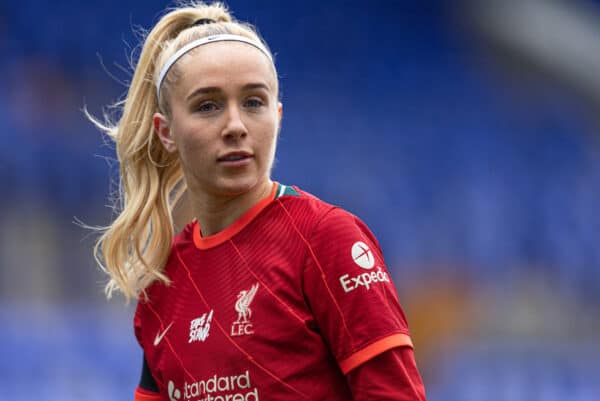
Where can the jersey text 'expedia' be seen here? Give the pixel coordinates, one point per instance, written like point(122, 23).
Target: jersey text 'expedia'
point(364, 279)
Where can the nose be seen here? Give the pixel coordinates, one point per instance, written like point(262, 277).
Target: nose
point(234, 127)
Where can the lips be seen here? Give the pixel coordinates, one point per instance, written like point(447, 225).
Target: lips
point(234, 156)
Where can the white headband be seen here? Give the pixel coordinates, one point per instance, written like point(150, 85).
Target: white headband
point(203, 41)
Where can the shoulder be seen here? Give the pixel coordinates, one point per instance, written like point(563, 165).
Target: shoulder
point(301, 205)
point(322, 221)
point(184, 236)
point(158, 290)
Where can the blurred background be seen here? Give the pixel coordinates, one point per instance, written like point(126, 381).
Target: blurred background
point(465, 134)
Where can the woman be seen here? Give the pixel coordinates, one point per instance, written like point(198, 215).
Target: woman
point(268, 293)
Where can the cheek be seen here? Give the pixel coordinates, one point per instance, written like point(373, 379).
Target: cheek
point(271, 130)
point(269, 138)
point(270, 143)
point(192, 148)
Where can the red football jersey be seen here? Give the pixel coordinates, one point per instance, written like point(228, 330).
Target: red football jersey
point(278, 306)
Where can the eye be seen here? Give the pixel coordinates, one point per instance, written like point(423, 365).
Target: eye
point(254, 103)
point(207, 107)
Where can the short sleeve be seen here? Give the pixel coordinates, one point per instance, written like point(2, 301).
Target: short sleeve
point(390, 376)
point(350, 291)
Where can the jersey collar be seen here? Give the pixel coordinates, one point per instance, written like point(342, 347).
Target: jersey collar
point(222, 236)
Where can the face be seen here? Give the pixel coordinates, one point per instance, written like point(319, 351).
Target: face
point(224, 118)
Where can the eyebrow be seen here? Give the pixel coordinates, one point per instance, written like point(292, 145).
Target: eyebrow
point(215, 89)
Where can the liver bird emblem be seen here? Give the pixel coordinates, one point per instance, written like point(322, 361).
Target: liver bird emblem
point(242, 305)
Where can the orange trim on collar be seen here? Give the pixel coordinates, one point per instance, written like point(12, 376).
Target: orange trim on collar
point(236, 227)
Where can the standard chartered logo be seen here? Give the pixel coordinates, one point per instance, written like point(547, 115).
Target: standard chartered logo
point(174, 394)
point(216, 388)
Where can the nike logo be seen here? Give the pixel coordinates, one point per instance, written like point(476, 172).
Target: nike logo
point(159, 336)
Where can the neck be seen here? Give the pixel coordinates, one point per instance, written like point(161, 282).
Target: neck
point(217, 212)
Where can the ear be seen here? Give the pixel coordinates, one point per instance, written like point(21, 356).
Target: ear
point(279, 111)
point(163, 131)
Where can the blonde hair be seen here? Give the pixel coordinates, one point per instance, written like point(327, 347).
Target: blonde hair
point(133, 250)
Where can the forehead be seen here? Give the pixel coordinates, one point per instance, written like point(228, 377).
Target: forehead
point(224, 65)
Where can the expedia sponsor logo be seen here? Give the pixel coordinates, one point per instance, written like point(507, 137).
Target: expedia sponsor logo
point(364, 280)
point(362, 255)
point(217, 388)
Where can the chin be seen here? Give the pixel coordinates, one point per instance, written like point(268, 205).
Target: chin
point(238, 186)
